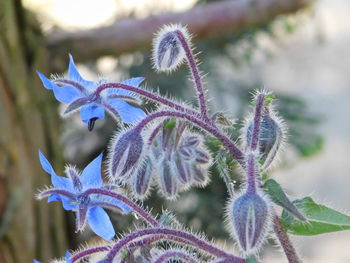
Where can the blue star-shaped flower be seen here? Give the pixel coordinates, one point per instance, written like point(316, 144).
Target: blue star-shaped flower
point(86, 96)
point(69, 190)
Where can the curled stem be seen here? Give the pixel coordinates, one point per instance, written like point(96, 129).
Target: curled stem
point(150, 95)
point(206, 126)
point(176, 254)
point(140, 211)
point(87, 252)
point(195, 73)
point(195, 241)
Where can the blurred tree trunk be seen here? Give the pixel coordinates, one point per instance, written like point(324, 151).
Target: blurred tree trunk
point(28, 228)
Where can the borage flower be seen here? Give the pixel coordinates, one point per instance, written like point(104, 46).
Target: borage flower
point(91, 100)
point(70, 191)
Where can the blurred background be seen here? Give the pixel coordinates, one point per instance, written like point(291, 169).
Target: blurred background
point(296, 48)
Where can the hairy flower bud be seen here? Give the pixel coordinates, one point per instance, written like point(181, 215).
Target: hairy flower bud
point(202, 156)
point(167, 179)
point(126, 153)
point(168, 52)
point(249, 215)
point(270, 138)
point(183, 169)
point(200, 175)
point(142, 178)
point(190, 141)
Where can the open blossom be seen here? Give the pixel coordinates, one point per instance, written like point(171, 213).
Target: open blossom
point(70, 191)
point(92, 99)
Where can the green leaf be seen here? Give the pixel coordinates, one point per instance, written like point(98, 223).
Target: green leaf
point(320, 219)
point(277, 195)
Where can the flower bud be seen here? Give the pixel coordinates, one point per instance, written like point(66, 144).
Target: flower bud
point(168, 52)
point(190, 141)
point(142, 178)
point(183, 169)
point(200, 175)
point(186, 152)
point(167, 179)
point(270, 138)
point(250, 217)
point(202, 156)
point(126, 153)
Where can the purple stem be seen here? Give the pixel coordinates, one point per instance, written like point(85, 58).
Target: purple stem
point(171, 232)
point(195, 74)
point(175, 254)
point(88, 252)
point(257, 121)
point(145, 93)
point(147, 217)
point(231, 146)
point(251, 174)
point(156, 238)
point(285, 242)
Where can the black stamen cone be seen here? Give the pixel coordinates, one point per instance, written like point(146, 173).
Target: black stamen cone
point(91, 124)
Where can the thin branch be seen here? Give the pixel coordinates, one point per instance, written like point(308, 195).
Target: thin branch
point(128, 35)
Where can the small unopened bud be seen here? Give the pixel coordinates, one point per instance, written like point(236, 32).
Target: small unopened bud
point(167, 178)
point(270, 138)
point(190, 141)
point(250, 217)
point(200, 175)
point(168, 52)
point(183, 169)
point(142, 178)
point(126, 153)
point(186, 153)
point(202, 156)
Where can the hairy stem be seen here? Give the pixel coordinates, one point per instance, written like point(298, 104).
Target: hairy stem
point(87, 252)
point(176, 254)
point(231, 146)
point(171, 232)
point(195, 74)
point(251, 174)
point(285, 242)
point(150, 95)
point(140, 211)
point(257, 122)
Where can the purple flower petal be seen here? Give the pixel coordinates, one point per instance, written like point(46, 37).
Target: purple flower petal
point(127, 113)
point(90, 111)
point(48, 84)
point(66, 202)
point(68, 260)
point(66, 94)
point(57, 181)
point(78, 103)
point(73, 74)
point(100, 223)
point(91, 176)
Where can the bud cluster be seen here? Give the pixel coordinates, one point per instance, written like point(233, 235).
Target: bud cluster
point(176, 160)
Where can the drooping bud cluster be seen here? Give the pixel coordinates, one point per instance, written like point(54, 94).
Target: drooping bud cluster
point(271, 136)
point(168, 52)
point(175, 160)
